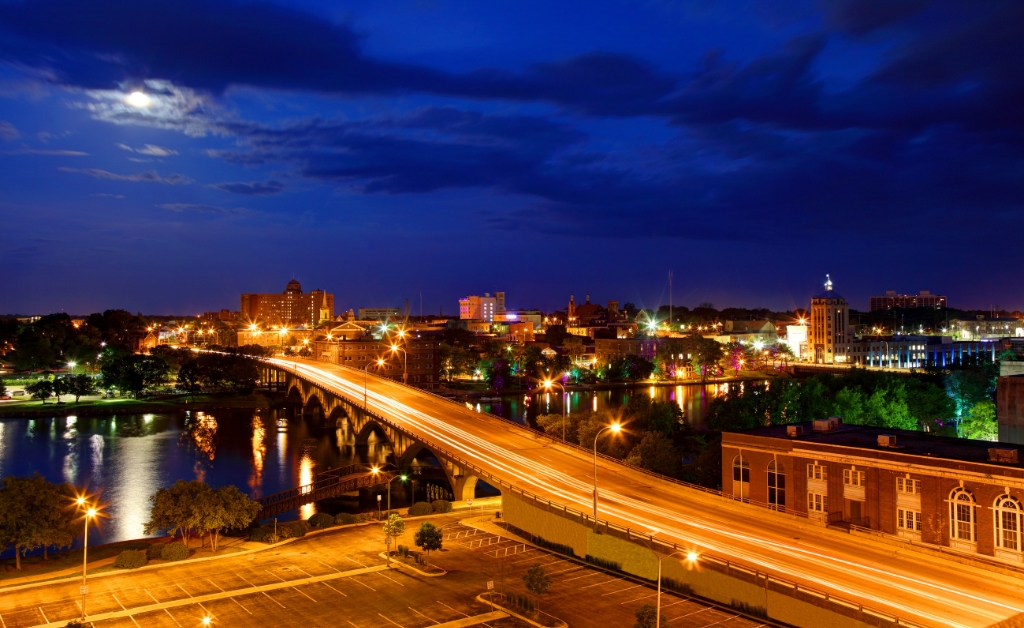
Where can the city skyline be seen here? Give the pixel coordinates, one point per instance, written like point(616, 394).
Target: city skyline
point(449, 149)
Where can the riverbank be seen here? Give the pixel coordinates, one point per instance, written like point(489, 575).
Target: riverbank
point(749, 376)
point(98, 406)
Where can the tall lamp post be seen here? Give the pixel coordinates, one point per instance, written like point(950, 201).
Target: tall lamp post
point(615, 428)
point(565, 401)
point(403, 477)
point(405, 366)
point(90, 513)
point(691, 556)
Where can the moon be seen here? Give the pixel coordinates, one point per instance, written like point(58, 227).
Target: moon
point(138, 99)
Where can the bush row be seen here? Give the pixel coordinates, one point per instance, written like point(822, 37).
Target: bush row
point(133, 559)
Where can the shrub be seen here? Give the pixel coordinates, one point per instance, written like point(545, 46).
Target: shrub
point(366, 516)
point(74, 623)
point(420, 508)
point(442, 505)
point(519, 600)
point(262, 534)
point(321, 520)
point(174, 551)
point(284, 531)
point(155, 551)
point(130, 559)
point(298, 529)
point(601, 562)
point(344, 519)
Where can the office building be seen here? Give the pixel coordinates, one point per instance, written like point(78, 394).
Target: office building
point(417, 353)
point(292, 307)
point(890, 300)
point(830, 320)
point(961, 494)
point(984, 328)
point(379, 313)
point(477, 308)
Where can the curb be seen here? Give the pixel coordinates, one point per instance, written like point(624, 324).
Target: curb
point(560, 624)
point(402, 565)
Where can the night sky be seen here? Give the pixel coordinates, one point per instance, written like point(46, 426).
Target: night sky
point(382, 150)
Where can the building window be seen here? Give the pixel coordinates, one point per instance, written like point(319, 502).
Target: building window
point(741, 478)
point(961, 516)
point(1009, 519)
point(817, 502)
point(817, 472)
point(776, 486)
point(906, 485)
point(908, 520)
point(853, 478)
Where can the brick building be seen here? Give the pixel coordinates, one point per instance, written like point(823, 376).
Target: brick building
point(961, 494)
point(891, 300)
point(608, 349)
point(291, 307)
point(422, 357)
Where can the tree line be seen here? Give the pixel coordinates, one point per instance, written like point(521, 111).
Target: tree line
point(35, 513)
point(188, 507)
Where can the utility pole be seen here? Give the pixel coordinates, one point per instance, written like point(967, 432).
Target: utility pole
point(670, 300)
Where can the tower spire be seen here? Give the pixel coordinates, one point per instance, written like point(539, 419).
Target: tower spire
point(828, 283)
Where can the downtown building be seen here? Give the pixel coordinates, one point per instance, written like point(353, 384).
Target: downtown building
point(416, 360)
point(290, 308)
point(830, 326)
point(481, 308)
point(891, 301)
point(962, 495)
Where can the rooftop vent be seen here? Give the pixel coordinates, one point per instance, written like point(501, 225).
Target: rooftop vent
point(794, 430)
point(1005, 456)
point(827, 425)
point(886, 440)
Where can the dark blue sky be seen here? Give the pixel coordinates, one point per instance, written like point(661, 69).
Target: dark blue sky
point(384, 149)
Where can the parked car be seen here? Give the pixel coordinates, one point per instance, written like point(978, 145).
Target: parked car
point(5, 398)
point(19, 393)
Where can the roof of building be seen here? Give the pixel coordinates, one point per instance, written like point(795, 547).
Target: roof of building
point(828, 294)
point(907, 442)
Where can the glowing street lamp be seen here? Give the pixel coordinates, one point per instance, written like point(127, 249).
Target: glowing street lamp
point(405, 366)
point(379, 363)
point(90, 513)
point(565, 401)
point(691, 557)
point(614, 428)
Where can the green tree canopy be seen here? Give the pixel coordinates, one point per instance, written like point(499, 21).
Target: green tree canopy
point(980, 422)
point(536, 581)
point(646, 617)
point(429, 537)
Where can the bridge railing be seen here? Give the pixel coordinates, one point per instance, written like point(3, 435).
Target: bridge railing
point(866, 613)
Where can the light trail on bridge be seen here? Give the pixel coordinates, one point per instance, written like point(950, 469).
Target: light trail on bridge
point(925, 589)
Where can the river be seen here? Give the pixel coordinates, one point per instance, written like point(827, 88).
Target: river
point(123, 460)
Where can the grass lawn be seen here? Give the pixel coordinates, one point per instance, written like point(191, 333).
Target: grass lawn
point(35, 565)
point(127, 405)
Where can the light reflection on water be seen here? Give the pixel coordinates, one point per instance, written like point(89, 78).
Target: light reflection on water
point(125, 459)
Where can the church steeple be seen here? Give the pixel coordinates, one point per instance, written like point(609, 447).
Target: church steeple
point(570, 311)
point(828, 283)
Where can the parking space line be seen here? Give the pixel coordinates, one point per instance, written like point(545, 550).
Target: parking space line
point(300, 592)
point(635, 586)
point(353, 624)
point(273, 600)
point(44, 614)
point(183, 590)
point(246, 581)
point(307, 575)
point(451, 609)
point(214, 584)
point(422, 615)
point(391, 622)
point(326, 565)
point(236, 602)
point(391, 579)
point(365, 585)
point(3, 624)
point(115, 599)
point(586, 575)
point(731, 617)
point(275, 575)
point(355, 561)
point(335, 590)
point(151, 596)
point(688, 614)
point(597, 584)
point(169, 615)
point(573, 568)
point(642, 597)
point(134, 622)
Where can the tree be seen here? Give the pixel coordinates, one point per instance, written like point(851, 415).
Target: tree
point(428, 537)
point(133, 373)
point(21, 526)
point(42, 390)
point(656, 453)
point(239, 510)
point(80, 386)
point(56, 510)
point(537, 582)
point(394, 527)
point(646, 617)
point(188, 378)
point(980, 422)
point(177, 508)
point(573, 345)
point(555, 335)
point(3, 388)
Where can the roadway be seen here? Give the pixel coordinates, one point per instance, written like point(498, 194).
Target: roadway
point(925, 590)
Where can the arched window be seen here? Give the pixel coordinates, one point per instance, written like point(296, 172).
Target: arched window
point(776, 486)
point(741, 478)
point(1009, 519)
point(961, 516)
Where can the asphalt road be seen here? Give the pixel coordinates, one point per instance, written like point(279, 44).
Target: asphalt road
point(927, 591)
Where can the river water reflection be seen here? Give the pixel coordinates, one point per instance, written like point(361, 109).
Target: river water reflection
point(125, 459)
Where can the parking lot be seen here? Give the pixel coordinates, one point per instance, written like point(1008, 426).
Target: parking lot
point(338, 578)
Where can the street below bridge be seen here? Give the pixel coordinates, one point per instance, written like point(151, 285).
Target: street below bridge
point(928, 590)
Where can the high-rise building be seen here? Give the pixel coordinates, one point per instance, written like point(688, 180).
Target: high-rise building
point(890, 300)
point(292, 307)
point(830, 320)
point(477, 308)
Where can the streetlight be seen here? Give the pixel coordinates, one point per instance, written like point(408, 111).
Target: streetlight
point(206, 620)
point(71, 366)
point(379, 363)
point(548, 384)
point(405, 367)
point(691, 556)
point(403, 477)
point(90, 513)
point(615, 429)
